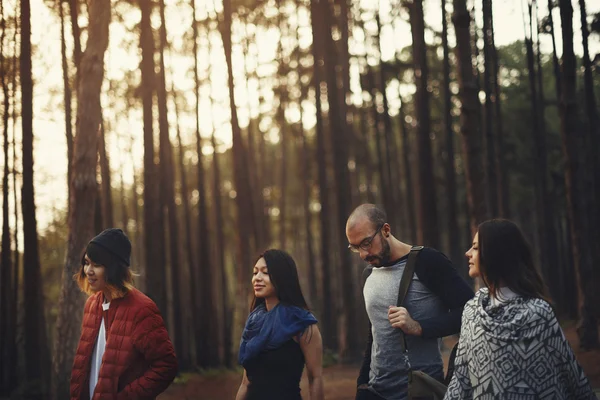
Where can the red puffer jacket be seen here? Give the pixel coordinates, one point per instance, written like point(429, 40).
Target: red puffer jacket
point(139, 360)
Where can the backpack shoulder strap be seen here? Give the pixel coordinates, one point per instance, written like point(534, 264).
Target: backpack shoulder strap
point(409, 271)
point(405, 281)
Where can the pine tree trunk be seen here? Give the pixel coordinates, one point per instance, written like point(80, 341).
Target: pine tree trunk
point(408, 195)
point(227, 310)
point(469, 117)
point(13, 356)
point(67, 94)
point(105, 186)
point(206, 351)
point(453, 237)
point(167, 179)
point(6, 267)
point(425, 190)
point(349, 345)
point(35, 341)
point(83, 191)
point(389, 190)
point(593, 121)
point(153, 218)
point(549, 258)
point(489, 79)
point(244, 200)
point(577, 181)
point(74, 13)
point(330, 339)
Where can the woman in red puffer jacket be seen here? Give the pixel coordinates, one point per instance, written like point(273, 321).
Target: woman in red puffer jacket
point(124, 351)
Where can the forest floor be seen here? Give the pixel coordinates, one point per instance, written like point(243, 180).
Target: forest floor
point(339, 380)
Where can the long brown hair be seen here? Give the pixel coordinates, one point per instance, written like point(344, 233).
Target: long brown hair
point(505, 259)
point(284, 277)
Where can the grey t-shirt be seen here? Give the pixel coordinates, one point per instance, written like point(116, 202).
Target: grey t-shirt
point(389, 365)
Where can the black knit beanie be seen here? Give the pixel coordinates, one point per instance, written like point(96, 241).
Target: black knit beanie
point(114, 242)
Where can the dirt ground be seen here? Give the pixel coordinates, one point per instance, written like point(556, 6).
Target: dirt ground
point(339, 380)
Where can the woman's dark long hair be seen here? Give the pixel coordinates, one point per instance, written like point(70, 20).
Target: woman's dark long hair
point(505, 259)
point(284, 277)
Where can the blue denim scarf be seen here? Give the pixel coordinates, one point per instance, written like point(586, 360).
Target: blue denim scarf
point(268, 330)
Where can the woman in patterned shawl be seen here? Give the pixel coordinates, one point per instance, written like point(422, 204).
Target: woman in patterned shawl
point(511, 345)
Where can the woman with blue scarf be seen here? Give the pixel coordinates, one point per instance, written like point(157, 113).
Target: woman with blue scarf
point(280, 336)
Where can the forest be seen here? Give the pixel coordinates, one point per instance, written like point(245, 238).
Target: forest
point(212, 130)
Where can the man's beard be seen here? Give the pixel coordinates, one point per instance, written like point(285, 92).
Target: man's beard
point(383, 256)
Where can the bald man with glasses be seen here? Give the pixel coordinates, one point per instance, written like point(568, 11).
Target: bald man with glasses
point(431, 310)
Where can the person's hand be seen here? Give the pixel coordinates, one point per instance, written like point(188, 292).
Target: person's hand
point(400, 318)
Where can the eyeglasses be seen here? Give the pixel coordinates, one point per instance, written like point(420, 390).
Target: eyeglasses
point(365, 244)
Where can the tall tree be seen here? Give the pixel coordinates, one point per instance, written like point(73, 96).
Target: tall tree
point(153, 218)
point(226, 306)
point(167, 179)
point(6, 267)
point(244, 201)
point(577, 182)
point(189, 249)
point(408, 194)
point(283, 130)
point(105, 186)
point(327, 298)
point(12, 357)
point(389, 190)
point(349, 344)
point(83, 193)
point(501, 171)
point(593, 119)
point(305, 175)
point(425, 190)
point(453, 238)
point(206, 352)
point(469, 116)
point(35, 343)
point(67, 92)
point(489, 85)
point(539, 151)
point(74, 13)
point(549, 258)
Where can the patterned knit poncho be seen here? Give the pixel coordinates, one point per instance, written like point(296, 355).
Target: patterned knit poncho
point(514, 351)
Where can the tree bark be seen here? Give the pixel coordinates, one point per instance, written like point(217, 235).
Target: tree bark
point(593, 120)
point(406, 149)
point(426, 193)
point(153, 218)
point(206, 351)
point(13, 356)
point(227, 311)
point(167, 179)
point(189, 249)
point(244, 200)
point(489, 79)
point(105, 186)
point(67, 95)
point(35, 343)
point(349, 345)
point(84, 192)
point(330, 339)
point(453, 229)
point(469, 117)
point(6, 268)
point(388, 191)
point(578, 183)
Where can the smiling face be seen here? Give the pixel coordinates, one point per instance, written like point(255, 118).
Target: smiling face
point(95, 275)
point(473, 257)
point(261, 281)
